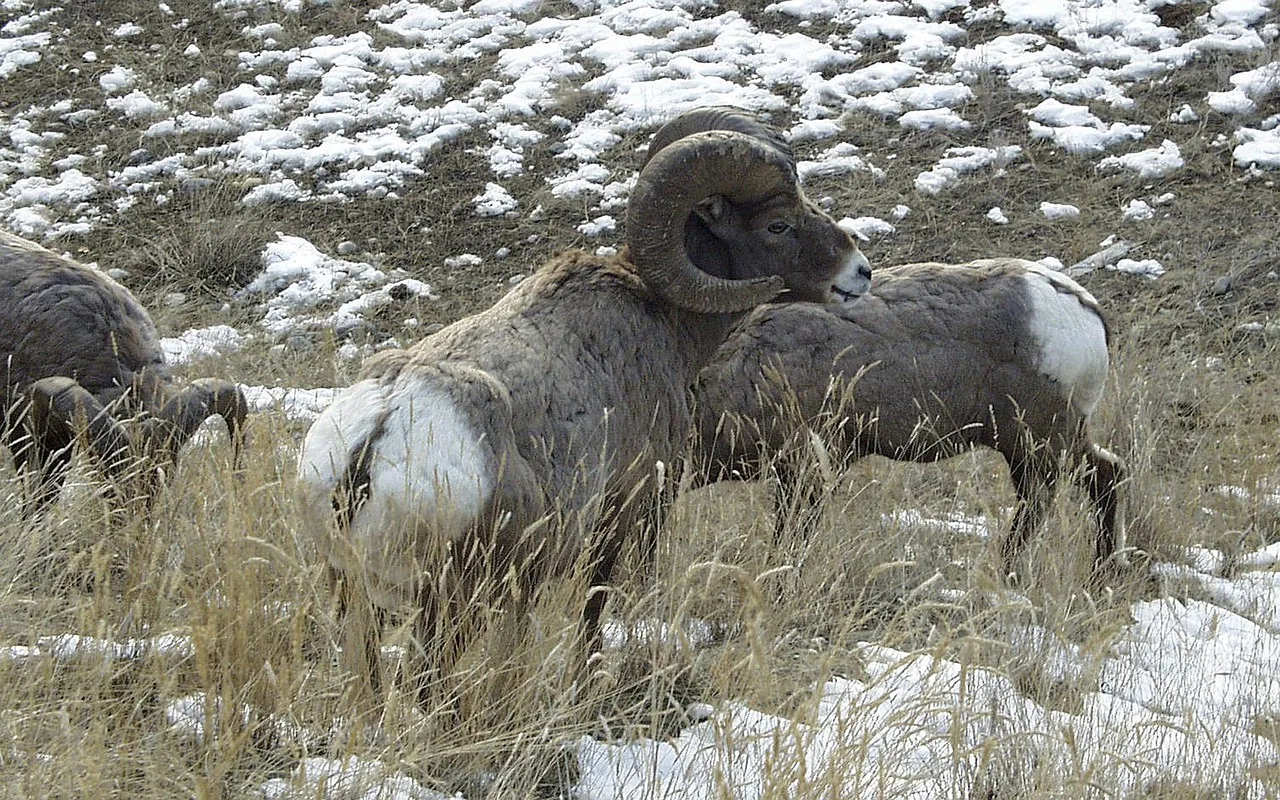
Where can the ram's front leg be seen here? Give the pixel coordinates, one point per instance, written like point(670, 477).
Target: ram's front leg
point(42, 453)
point(1035, 475)
point(633, 521)
point(806, 474)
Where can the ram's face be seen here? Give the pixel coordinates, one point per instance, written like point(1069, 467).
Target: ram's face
point(790, 236)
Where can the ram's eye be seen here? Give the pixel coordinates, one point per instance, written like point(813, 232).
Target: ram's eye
point(778, 227)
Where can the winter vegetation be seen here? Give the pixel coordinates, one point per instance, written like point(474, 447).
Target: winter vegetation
point(290, 188)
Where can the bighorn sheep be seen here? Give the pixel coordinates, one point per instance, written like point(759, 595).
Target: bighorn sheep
point(506, 443)
point(933, 361)
point(81, 357)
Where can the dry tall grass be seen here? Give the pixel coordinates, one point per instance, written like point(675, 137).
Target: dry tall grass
point(223, 567)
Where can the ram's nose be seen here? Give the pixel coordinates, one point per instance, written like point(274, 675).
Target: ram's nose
point(854, 278)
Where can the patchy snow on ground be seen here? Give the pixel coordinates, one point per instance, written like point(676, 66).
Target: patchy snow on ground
point(919, 726)
point(297, 278)
point(356, 114)
point(1178, 697)
point(198, 343)
point(70, 647)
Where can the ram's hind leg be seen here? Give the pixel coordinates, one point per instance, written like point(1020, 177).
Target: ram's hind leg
point(470, 597)
point(1035, 477)
point(1104, 472)
point(451, 610)
point(360, 635)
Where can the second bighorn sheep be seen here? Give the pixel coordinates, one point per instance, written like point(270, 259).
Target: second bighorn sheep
point(934, 360)
point(504, 445)
point(80, 356)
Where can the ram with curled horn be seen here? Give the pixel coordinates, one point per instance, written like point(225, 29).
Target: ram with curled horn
point(81, 360)
point(502, 448)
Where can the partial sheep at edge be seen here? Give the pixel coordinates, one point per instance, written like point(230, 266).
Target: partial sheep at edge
point(81, 359)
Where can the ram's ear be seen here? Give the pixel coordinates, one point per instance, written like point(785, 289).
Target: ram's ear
point(711, 210)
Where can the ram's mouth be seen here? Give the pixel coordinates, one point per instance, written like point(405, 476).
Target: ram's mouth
point(845, 295)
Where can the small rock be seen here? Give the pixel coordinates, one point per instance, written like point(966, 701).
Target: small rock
point(1260, 332)
point(355, 328)
point(347, 248)
point(463, 261)
point(698, 712)
point(1113, 251)
point(299, 343)
point(190, 186)
point(1222, 286)
point(175, 299)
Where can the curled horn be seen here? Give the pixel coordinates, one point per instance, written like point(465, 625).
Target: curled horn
point(717, 118)
point(201, 400)
point(59, 409)
point(738, 166)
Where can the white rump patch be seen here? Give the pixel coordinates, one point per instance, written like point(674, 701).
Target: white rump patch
point(346, 422)
point(429, 476)
point(1071, 336)
point(429, 461)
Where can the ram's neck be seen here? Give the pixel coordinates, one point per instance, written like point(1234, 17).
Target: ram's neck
point(701, 335)
point(704, 333)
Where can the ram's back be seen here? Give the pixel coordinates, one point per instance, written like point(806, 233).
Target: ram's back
point(555, 400)
point(589, 371)
point(58, 317)
point(929, 362)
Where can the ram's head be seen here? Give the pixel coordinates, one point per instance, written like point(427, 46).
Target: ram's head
point(136, 437)
point(728, 181)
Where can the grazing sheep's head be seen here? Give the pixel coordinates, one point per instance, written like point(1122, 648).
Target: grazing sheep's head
point(138, 450)
point(728, 182)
